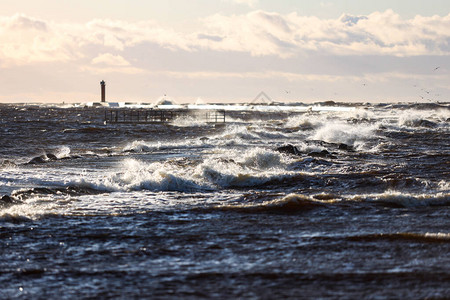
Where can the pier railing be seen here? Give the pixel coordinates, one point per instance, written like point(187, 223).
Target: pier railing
point(162, 115)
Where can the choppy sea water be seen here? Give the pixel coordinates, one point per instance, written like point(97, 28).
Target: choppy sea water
point(356, 207)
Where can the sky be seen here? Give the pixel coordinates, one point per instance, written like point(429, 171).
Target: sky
point(200, 51)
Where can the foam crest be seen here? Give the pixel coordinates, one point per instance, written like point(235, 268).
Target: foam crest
point(444, 185)
point(429, 237)
point(135, 175)
point(32, 209)
point(291, 203)
point(309, 121)
point(350, 134)
point(141, 146)
point(262, 159)
point(238, 132)
point(62, 152)
point(294, 202)
point(241, 177)
point(408, 200)
point(223, 170)
point(254, 167)
point(423, 118)
point(302, 123)
point(188, 121)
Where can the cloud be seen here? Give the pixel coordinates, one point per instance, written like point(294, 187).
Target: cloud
point(112, 69)
point(109, 63)
point(22, 22)
point(215, 38)
point(301, 77)
point(23, 39)
point(258, 33)
point(380, 33)
point(27, 40)
point(351, 20)
point(289, 76)
point(250, 3)
point(110, 60)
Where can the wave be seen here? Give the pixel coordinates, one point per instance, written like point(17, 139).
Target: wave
point(226, 169)
point(404, 200)
point(291, 203)
point(141, 146)
point(188, 121)
point(238, 132)
point(138, 175)
point(403, 236)
point(32, 206)
point(340, 132)
point(423, 118)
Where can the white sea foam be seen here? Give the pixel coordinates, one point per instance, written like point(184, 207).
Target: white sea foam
point(188, 121)
point(142, 146)
point(407, 199)
point(62, 152)
point(262, 159)
point(33, 208)
point(444, 186)
point(340, 132)
point(241, 156)
point(302, 122)
point(223, 169)
point(239, 132)
point(415, 118)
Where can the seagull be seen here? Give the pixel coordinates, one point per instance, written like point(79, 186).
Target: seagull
point(436, 68)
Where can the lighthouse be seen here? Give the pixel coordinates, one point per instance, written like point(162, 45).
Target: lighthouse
point(103, 86)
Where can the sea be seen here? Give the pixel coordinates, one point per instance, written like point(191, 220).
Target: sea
point(314, 201)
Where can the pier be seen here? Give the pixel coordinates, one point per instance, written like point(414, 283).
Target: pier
point(155, 116)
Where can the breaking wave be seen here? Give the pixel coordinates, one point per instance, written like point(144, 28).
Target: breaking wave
point(403, 237)
point(291, 203)
point(397, 199)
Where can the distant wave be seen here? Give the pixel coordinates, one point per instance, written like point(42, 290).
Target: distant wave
point(403, 237)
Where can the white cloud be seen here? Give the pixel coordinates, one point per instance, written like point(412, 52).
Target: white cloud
point(289, 76)
point(109, 63)
point(25, 40)
point(112, 69)
point(250, 3)
point(110, 60)
point(380, 33)
point(302, 77)
point(22, 22)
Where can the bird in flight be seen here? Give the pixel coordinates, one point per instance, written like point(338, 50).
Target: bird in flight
point(436, 68)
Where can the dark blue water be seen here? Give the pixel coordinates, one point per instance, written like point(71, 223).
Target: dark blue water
point(190, 210)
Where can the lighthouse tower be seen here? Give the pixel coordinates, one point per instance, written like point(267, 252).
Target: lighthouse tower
point(103, 86)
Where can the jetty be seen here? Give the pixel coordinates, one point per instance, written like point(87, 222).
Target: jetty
point(152, 116)
point(165, 111)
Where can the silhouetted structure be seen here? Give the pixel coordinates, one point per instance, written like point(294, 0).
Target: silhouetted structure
point(162, 115)
point(103, 85)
